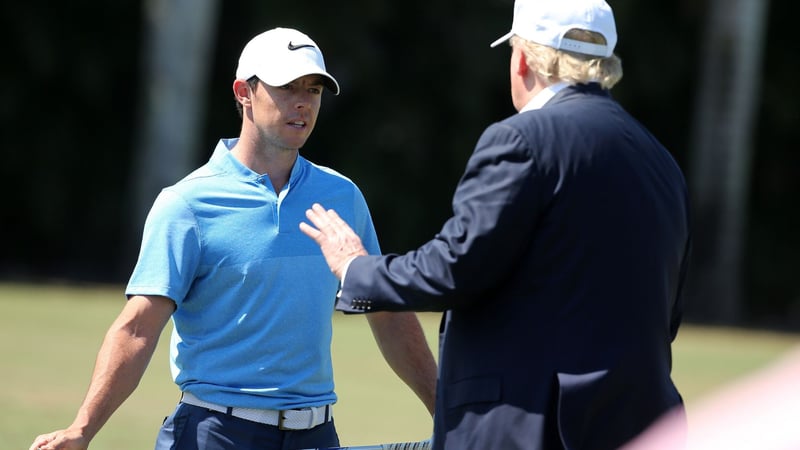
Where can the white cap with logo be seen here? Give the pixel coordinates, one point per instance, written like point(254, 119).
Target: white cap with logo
point(281, 55)
point(546, 21)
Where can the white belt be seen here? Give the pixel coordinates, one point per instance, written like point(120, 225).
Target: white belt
point(290, 419)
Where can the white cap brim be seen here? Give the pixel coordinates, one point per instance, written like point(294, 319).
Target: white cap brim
point(505, 37)
point(277, 77)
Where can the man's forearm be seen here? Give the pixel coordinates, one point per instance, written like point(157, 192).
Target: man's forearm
point(127, 348)
point(120, 364)
point(402, 342)
point(124, 355)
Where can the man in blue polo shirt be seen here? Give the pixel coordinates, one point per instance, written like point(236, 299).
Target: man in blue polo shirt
point(250, 296)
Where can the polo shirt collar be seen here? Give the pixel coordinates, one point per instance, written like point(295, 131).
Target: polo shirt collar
point(223, 159)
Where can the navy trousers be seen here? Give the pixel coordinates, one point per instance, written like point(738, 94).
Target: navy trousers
point(194, 428)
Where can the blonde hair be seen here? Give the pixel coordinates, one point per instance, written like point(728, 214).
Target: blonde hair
point(561, 65)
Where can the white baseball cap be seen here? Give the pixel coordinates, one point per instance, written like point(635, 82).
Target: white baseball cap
point(546, 21)
point(281, 55)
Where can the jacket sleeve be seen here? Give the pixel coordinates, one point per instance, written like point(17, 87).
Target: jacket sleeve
point(495, 207)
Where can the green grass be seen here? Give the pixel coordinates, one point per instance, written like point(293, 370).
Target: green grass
point(49, 335)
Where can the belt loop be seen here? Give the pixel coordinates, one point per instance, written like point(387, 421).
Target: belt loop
point(229, 411)
point(327, 413)
point(281, 417)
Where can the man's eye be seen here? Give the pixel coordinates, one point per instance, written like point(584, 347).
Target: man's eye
point(315, 90)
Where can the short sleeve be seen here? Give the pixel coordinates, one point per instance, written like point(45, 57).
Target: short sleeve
point(170, 252)
point(365, 227)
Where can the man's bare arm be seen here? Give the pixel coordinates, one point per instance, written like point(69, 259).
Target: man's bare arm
point(121, 361)
point(402, 342)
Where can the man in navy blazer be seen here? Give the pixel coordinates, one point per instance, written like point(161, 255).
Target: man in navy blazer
point(561, 268)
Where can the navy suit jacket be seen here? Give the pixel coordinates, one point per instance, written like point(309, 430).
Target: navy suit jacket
point(560, 272)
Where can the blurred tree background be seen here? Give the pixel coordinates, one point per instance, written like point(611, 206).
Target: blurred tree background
point(97, 117)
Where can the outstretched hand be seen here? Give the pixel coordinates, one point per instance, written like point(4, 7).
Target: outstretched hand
point(338, 242)
point(60, 440)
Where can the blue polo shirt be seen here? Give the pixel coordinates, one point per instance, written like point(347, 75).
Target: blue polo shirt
point(254, 295)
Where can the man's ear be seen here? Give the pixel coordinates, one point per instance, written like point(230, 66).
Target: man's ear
point(241, 90)
point(522, 63)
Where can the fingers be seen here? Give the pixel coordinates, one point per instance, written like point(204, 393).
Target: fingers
point(336, 221)
point(331, 230)
point(313, 216)
point(311, 232)
point(338, 242)
point(41, 441)
point(327, 222)
point(320, 217)
point(60, 440)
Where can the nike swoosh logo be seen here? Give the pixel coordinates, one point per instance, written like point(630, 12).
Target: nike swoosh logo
point(295, 47)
